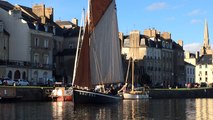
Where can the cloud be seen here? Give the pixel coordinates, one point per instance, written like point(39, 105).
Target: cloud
point(192, 47)
point(195, 21)
point(157, 6)
point(197, 12)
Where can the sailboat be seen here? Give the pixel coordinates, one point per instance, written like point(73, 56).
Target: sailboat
point(135, 93)
point(99, 58)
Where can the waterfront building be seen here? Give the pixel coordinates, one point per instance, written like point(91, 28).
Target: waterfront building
point(157, 55)
point(66, 57)
point(191, 58)
point(4, 48)
point(190, 65)
point(204, 69)
point(190, 73)
point(204, 66)
point(33, 41)
point(179, 66)
point(4, 42)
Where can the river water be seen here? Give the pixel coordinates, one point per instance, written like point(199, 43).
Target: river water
point(152, 109)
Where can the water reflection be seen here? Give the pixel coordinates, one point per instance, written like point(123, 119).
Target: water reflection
point(5, 109)
point(135, 109)
point(166, 109)
point(61, 110)
point(99, 112)
point(204, 109)
point(25, 111)
point(181, 109)
point(154, 109)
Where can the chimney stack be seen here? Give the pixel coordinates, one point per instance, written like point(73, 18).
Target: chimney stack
point(180, 42)
point(197, 55)
point(75, 21)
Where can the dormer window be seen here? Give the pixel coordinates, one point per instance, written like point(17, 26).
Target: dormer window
point(163, 44)
point(46, 28)
point(170, 45)
point(36, 26)
point(54, 30)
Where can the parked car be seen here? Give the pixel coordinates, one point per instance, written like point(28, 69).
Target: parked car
point(21, 82)
point(203, 84)
point(8, 81)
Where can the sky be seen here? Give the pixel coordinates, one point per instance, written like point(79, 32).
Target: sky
point(184, 19)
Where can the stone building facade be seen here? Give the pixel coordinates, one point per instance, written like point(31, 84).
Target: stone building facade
point(4, 40)
point(156, 53)
point(204, 66)
point(33, 41)
point(4, 49)
point(204, 69)
point(190, 66)
point(190, 73)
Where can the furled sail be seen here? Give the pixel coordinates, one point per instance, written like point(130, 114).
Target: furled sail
point(104, 60)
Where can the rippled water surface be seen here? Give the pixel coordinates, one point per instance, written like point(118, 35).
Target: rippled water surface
point(152, 109)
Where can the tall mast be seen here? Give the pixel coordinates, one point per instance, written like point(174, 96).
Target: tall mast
point(133, 74)
point(88, 9)
point(77, 48)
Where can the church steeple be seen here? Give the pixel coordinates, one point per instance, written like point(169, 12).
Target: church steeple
point(206, 48)
point(206, 36)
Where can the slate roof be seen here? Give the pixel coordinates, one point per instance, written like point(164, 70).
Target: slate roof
point(29, 10)
point(64, 23)
point(152, 43)
point(36, 19)
point(72, 32)
point(32, 18)
point(205, 59)
point(186, 63)
point(177, 46)
point(6, 5)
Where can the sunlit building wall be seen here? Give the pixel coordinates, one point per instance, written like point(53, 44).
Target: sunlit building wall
point(156, 53)
point(31, 40)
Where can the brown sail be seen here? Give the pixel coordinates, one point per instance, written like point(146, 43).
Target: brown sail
point(100, 57)
point(83, 77)
point(97, 9)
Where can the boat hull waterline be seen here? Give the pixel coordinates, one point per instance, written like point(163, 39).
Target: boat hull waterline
point(135, 96)
point(84, 97)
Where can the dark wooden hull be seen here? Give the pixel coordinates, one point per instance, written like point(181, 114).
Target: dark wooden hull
point(88, 97)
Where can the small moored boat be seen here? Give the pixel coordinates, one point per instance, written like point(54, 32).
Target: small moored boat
point(134, 93)
point(61, 94)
